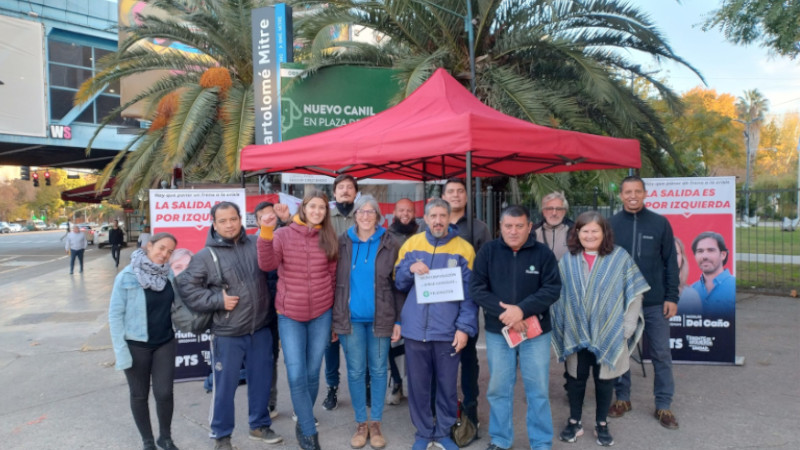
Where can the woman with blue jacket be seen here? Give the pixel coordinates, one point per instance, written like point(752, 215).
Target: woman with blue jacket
point(141, 331)
point(366, 311)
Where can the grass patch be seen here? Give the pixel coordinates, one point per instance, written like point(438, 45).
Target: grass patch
point(773, 277)
point(767, 240)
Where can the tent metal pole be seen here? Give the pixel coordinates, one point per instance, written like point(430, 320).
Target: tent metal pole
point(469, 195)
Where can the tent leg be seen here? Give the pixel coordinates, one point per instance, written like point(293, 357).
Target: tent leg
point(469, 195)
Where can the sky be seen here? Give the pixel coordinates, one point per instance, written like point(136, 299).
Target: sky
point(726, 67)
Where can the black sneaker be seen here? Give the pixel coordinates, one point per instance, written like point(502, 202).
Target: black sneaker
point(571, 432)
point(265, 434)
point(223, 443)
point(148, 444)
point(331, 401)
point(495, 447)
point(166, 443)
point(603, 436)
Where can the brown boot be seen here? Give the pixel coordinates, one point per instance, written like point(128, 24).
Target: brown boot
point(376, 439)
point(359, 439)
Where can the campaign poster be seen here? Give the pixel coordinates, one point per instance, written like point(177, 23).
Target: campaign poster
point(702, 214)
point(186, 214)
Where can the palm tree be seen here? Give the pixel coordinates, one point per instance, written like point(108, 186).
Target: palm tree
point(561, 63)
point(751, 109)
point(201, 110)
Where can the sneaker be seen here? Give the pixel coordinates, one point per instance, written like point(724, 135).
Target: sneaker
point(376, 439)
point(148, 444)
point(331, 401)
point(166, 443)
point(447, 444)
point(571, 432)
point(294, 417)
point(619, 408)
point(359, 438)
point(603, 436)
point(495, 447)
point(667, 419)
point(396, 395)
point(265, 434)
point(223, 443)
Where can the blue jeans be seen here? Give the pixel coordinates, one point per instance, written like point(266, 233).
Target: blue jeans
point(227, 355)
point(75, 254)
point(533, 358)
point(656, 328)
point(332, 364)
point(362, 349)
point(304, 345)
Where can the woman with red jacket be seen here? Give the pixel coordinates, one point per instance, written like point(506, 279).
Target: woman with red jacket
point(305, 255)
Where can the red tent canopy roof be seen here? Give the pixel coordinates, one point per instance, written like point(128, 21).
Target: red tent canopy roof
point(88, 193)
point(427, 137)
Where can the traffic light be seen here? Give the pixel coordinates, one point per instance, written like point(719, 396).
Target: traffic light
point(25, 173)
point(47, 178)
point(35, 179)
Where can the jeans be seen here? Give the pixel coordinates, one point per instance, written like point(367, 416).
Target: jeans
point(470, 371)
point(428, 362)
point(227, 355)
point(533, 358)
point(332, 364)
point(115, 250)
point(304, 345)
point(75, 254)
point(158, 364)
point(362, 351)
point(656, 328)
point(576, 388)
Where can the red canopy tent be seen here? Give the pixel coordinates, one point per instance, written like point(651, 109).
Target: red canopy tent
point(432, 134)
point(88, 193)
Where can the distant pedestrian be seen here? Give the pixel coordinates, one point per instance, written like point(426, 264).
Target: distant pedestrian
point(75, 246)
point(144, 236)
point(143, 339)
point(115, 238)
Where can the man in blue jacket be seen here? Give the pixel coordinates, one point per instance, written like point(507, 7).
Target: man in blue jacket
point(435, 332)
point(516, 277)
point(648, 237)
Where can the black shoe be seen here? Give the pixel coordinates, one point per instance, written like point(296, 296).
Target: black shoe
point(309, 442)
point(571, 432)
point(331, 402)
point(603, 436)
point(148, 444)
point(166, 443)
point(495, 447)
point(223, 443)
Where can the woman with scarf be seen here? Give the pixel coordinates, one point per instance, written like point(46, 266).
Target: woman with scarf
point(141, 332)
point(305, 254)
point(365, 311)
point(597, 320)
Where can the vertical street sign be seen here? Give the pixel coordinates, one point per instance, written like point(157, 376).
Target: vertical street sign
point(272, 45)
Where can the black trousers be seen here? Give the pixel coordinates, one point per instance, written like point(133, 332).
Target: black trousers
point(157, 364)
point(576, 388)
point(115, 250)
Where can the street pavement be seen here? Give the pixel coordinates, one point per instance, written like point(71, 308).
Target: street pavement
point(59, 389)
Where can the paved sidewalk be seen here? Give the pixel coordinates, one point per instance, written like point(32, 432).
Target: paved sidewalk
point(60, 390)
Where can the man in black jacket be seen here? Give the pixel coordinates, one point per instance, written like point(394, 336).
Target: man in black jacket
point(514, 278)
point(241, 303)
point(115, 239)
point(648, 237)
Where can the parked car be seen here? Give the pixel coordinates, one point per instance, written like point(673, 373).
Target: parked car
point(37, 225)
point(101, 236)
point(16, 228)
point(88, 232)
point(63, 226)
point(5, 227)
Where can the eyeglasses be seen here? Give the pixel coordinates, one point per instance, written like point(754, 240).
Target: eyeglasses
point(554, 209)
point(366, 212)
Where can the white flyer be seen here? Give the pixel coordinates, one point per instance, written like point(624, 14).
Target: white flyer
point(439, 285)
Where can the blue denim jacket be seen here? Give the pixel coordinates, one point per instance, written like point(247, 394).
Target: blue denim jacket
point(127, 315)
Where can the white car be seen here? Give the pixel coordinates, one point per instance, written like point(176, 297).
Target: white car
point(101, 236)
point(88, 232)
point(5, 227)
point(16, 228)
